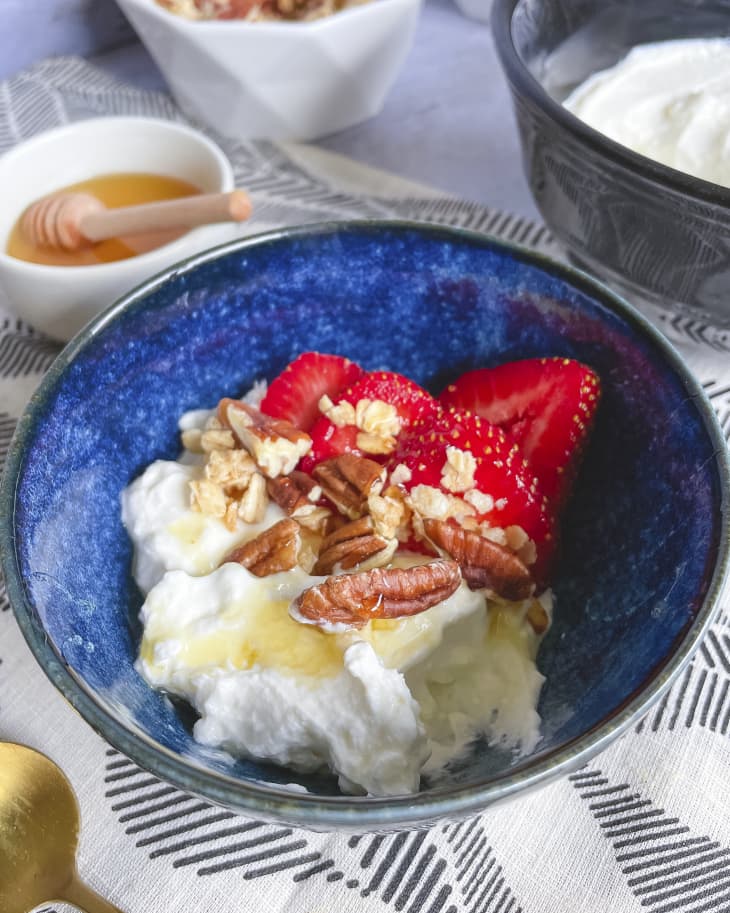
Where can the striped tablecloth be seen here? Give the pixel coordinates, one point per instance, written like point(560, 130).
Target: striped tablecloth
point(643, 827)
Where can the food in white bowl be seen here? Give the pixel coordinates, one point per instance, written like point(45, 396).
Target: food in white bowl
point(279, 80)
point(60, 299)
point(258, 10)
point(349, 574)
point(667, 100)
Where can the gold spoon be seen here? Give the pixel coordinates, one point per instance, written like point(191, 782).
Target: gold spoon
point(39, 832)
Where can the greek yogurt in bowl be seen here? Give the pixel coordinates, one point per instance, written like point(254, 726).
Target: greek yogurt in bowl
point(379, 705)
point(667, 100)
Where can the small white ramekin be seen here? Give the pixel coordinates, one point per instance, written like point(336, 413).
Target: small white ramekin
point(60, 299)
point(279, 80)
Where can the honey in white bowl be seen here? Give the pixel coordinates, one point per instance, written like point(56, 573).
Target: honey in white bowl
point(113, 190)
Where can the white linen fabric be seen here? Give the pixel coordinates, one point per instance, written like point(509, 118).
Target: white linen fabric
point(643, 827)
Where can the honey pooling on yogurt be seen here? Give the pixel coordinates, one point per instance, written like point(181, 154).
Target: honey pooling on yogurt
point(113, 190)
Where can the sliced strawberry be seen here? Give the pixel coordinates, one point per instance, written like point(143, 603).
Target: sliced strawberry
point(547, 405)
point(412, 403)
point(294, 395)
point(329, 441)
point(501, 473)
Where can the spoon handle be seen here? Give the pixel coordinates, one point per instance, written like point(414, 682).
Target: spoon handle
point(186, 212)
point(85, 898)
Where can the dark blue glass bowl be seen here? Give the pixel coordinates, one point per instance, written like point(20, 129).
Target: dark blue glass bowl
point(645, 539)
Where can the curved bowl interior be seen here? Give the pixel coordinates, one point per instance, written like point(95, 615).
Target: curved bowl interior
point(643, 541)
point(563, 43)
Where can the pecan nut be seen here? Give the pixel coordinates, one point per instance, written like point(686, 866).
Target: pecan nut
point(351, 545)
point(355, 599)
point(297, 495)
point(348, 481)
point(275, 444)
point(483, 563)
point(294, 492)
point(274, 550)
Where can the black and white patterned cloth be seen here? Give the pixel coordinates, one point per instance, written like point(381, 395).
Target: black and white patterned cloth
point(643, 827)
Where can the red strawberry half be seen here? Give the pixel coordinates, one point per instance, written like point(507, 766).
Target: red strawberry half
point(412, 403)
point(294, 395)
point(510, 494)
point(546, 405)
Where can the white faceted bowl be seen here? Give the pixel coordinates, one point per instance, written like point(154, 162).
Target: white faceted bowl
point(279, 80)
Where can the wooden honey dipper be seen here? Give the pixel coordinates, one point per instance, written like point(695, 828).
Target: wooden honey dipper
point(71, 221)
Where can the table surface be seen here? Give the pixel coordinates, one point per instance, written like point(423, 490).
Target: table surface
point(447, 122)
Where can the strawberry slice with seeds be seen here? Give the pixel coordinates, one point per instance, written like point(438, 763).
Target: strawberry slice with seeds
point(486, 479)
point(546, 405)
point(412, 405)
point(329, 441)
point(294, 394)
point(411, 402)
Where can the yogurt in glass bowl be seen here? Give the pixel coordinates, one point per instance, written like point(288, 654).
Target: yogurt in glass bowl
point(667, 100)
point(656, 232)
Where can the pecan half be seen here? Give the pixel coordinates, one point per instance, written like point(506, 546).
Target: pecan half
point(351, 545)
point(348, 481)
point(354, 599)
point(276, 445)
point(297, 495)
point(483, 563)
point(334, 521)
point(294, 492)
point(274, 550)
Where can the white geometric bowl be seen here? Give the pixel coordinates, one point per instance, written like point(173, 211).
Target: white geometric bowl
point(279, 80)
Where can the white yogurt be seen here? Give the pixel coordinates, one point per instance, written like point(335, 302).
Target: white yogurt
point(378, 706)
point(482, 679)
point(168, 534)
point(268, 687)
point(669, 101)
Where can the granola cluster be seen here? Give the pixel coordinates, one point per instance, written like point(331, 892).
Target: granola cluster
point(232, 487)
point(349, 517)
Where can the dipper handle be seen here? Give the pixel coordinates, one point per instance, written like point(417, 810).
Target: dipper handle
point(73, 220)
point(186, 212)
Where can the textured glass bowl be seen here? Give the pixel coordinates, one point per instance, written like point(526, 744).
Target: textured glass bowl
point(644, 541)
point(656, 233)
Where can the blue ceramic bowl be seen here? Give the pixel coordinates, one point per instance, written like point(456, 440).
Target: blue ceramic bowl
point(645, 539)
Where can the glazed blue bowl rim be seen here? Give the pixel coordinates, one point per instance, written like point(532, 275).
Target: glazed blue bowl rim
point(522, 79)
point(333, 812)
